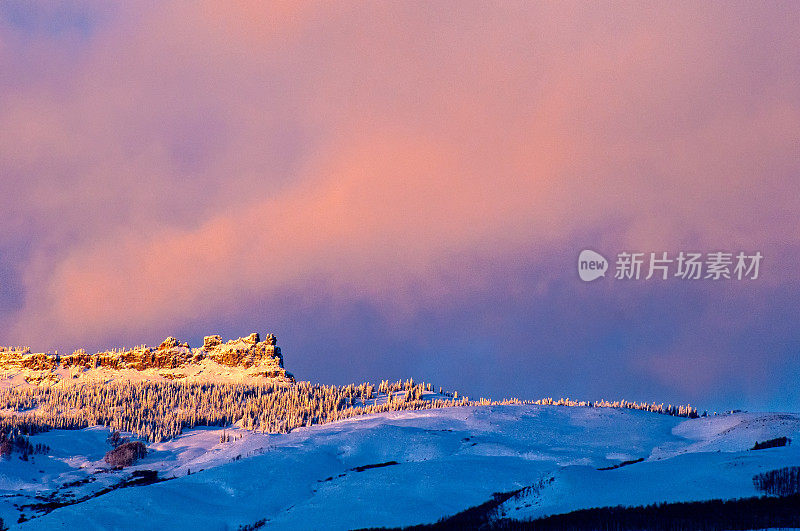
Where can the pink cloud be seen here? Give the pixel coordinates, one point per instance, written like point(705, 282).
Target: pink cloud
point(363, 146)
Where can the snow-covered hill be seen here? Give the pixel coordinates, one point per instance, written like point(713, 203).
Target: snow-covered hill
point(399, 468)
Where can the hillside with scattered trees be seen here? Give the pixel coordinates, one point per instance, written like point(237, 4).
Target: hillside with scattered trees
point(160, 408)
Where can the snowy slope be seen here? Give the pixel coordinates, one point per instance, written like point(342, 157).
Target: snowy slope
point(340, 476)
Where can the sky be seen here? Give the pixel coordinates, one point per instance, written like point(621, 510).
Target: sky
point(402, 189)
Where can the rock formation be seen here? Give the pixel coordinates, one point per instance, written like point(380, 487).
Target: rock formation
point(237, 359)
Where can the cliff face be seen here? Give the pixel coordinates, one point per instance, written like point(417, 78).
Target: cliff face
point(239, 359)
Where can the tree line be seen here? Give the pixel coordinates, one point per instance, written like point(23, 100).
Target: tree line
point(160, 410)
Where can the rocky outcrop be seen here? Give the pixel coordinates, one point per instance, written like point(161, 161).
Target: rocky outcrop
point(209, 342)
point(171, 342)
point(253, 358)
point(253, 338)
point(249, 353)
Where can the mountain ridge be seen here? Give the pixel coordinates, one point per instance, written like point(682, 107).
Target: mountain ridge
point(242, 359)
